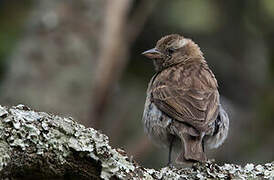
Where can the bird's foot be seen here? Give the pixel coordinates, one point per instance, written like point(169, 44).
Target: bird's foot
point(170, 165)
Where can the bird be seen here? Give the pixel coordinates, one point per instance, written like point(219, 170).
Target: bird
point(182, 107)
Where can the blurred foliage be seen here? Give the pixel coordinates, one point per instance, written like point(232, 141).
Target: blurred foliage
point(13, 14)
point(183, 14)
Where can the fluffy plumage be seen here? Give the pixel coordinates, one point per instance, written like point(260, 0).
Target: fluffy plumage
point(182, 102)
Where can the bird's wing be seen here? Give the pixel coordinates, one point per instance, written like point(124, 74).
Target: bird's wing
point(188, 93)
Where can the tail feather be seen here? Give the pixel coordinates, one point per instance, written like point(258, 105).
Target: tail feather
point(193, 150)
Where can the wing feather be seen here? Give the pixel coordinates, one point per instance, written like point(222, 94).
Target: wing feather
point(188, 94)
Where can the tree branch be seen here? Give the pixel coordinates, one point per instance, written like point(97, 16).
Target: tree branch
point(112, 58)
point(39, 145)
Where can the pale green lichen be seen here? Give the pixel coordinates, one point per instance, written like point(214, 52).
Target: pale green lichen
point(24, 128)
point(4, 154)
point(3, 111)
point(213, 171)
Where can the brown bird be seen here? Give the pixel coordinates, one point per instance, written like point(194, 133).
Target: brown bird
point(182, 105)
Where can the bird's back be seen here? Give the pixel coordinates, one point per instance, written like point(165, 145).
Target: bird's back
point(188, 93)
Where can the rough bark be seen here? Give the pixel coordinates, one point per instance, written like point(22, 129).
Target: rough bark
point(40, 145)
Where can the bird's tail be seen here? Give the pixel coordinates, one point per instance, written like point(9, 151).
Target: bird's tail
point(193, 149)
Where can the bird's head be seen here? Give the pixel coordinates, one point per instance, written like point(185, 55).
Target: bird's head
point(171, 50)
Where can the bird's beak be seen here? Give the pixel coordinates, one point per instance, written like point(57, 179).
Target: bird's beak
point(153, 53)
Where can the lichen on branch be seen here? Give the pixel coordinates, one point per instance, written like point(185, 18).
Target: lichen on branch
point(40, 145)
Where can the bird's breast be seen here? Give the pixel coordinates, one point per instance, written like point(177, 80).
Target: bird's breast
point(156, 123)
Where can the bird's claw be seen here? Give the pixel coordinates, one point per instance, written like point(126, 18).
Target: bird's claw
point(170, 165)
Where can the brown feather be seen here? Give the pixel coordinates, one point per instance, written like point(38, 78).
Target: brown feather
point(183, 99)
point(188, 93)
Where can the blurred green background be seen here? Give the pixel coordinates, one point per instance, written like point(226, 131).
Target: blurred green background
point(82, 59)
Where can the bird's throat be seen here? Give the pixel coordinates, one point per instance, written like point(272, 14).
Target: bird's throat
point(158, 64)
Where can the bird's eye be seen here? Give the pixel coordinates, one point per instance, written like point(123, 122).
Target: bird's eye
point(170, 51)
